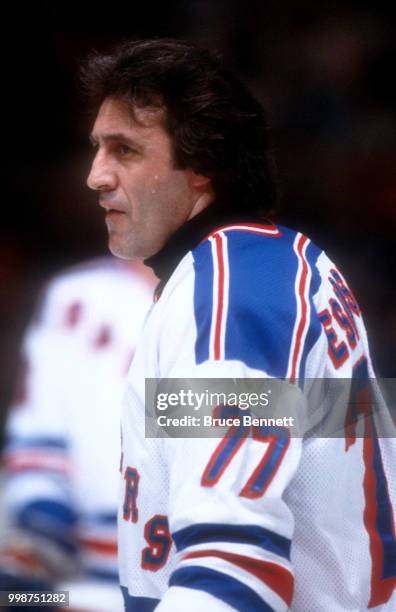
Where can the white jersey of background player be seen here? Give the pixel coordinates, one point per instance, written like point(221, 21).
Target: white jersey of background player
point(63, 434)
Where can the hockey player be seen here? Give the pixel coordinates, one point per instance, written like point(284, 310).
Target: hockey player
point(264, 521)
point(63, 437)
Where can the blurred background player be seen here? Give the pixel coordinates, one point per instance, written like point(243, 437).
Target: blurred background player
point(63, 435)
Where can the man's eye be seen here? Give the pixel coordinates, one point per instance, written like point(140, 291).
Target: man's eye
point(123, 150)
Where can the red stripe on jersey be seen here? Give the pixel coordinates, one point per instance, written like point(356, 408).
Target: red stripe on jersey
point(256, 228)
point(276, 577)
point(36, 461)
point(23, 561)
point(381, 588)
point(220, 296)
point(105, 547)
point(304, 308)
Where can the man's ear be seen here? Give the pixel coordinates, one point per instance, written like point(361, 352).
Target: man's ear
point(199, 181)
point(201, 187)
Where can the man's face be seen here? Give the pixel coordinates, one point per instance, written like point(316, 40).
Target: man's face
point(145, 198)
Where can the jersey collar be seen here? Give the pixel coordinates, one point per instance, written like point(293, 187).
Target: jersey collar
point(189, 235)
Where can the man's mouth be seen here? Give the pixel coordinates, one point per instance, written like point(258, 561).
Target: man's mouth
point(113, 213)
point(110, 206)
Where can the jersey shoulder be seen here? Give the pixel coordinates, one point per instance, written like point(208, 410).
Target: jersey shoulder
point(269, 256)
point(98, 288)
point(253, 296)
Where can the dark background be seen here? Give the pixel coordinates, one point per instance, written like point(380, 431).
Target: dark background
point(326, 75)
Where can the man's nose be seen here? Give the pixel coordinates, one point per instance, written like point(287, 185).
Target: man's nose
point(101, 176)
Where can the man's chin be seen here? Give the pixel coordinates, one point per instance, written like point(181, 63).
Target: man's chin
point(123, 251)
point(118, 251)
point(131, 249)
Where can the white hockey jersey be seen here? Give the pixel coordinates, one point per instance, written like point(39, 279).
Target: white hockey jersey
point(205, 526)
point(63, 434)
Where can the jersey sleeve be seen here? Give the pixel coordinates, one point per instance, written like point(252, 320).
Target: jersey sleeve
point(36, 457)
point(229, 522)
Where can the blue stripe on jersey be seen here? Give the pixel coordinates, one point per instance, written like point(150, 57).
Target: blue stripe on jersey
point(312, 254)
point(203, 299)
point(262, 302)
point(9, 581)
point(384, 522)
point(384, 518)
point(202, 533)
point(138, 604)
point(233, 592)
point(102, 574)
point(360, 374)
point(100, 518)
point(15, 442)
point(50, 519)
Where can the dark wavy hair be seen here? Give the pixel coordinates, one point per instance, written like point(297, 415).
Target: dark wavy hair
point(217, 128)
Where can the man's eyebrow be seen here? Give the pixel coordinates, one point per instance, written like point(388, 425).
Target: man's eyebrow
point(113, 136)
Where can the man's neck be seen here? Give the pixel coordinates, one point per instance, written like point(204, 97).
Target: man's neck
point(190, 235)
